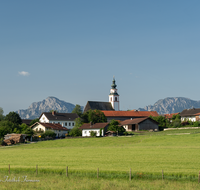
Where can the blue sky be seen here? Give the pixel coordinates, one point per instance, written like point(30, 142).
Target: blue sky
point(71, 50)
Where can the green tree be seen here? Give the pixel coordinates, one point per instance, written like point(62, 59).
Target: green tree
point(77, 110)
point(34, 121)
point(94, 116)
point(23, 127)
point(78, 122)
point(114, 126)
point(75, 132)
point(28, 131)
point(7, 127)
point(14, 118)
point(163, 122)
point(1, 114)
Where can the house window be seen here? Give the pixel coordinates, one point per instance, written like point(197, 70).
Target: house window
point(111, 99)
point(69, 124)
point(59, 130)
point(58, 122)
point(85, 132)
point(37, 129)
point(115, 98)
point(66, 124)
point(72, 124)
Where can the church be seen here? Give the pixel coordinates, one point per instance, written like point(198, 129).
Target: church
point(112, 105)
point(111, 109)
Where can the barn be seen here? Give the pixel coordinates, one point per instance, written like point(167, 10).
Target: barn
point(138, 124)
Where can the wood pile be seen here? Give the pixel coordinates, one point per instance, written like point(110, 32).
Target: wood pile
point(10, 139)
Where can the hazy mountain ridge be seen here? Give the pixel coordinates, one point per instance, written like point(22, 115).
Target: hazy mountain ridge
point(50, 103)
point(171, 105)
point(163, 106)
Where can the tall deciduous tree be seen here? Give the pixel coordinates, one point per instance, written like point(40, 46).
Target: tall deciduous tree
point(1, 114)
point(94, 116)
point(114, 126)
point(14, 118)
point(77, 109)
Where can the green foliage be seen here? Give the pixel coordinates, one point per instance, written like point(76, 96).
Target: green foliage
point(94, 116)
point(178, 116)
point(101, 132)
point(176, 123)
point(77, 110)
point(1, 114)
point(163, 122)
point(14, 118)
point(48, 134)
point(93, 133)
point(125, 133)
point(23, 127)
point(28, 131)
point(196, 124)
point(114, 126)
point(75, 132)
point(8, 127)
point(34, 121)
point(78, 122)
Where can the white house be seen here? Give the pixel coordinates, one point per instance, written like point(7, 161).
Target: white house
point(97, 127)
point(190, 114)
point(65, 119)
point(56, 128)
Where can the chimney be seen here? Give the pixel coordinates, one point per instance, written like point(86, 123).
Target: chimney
point(91, 124)
point(53, 113)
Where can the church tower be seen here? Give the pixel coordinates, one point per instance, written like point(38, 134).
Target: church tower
point(114, 96)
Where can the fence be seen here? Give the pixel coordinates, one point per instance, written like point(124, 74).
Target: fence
point(129, 174)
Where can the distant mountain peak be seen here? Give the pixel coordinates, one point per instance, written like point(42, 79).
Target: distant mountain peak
point(171, 105)
point(50, 103)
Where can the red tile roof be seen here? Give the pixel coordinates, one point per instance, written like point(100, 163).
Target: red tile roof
point(169, 116)
point(93, 126)
point(130, 113)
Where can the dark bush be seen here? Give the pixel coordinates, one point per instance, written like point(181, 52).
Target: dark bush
point(185, 123)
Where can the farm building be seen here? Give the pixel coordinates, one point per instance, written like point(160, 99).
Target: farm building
point(140, 124)
point(56, 128)
point(98, 128)
point(190, 114)
point(65, 119)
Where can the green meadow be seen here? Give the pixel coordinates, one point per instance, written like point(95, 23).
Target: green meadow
point(175, 152)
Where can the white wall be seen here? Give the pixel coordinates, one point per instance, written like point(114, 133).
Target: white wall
point(43, 119)
point(86, 132)
point(59, 133)
point(189, 118)
point(66, 124)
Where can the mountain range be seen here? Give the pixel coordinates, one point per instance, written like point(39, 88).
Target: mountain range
point(172, 105)
point(50, 103)
point(163, 106)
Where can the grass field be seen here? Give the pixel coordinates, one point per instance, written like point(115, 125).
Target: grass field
point(176, 152)
point(53, 181)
